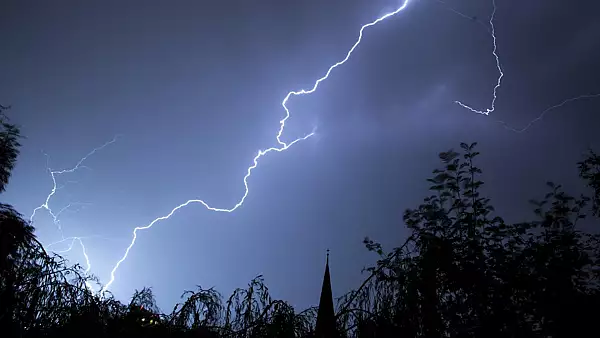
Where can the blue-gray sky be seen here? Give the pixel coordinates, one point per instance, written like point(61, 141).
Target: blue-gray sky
point(194, 89)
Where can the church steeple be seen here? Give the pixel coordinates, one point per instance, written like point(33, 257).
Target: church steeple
point(326, 314)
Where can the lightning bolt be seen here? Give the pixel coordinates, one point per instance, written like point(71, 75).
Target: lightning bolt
point(73, 240)
point(54, 173)
point(282, 145)
point(83, 250)
point(87, 262)
point(260, 154)
point(487, 111)
point(55, 216)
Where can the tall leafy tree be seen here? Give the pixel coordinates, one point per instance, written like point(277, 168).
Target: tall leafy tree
point(465, 272)
point(16, 235)
point(9, 147)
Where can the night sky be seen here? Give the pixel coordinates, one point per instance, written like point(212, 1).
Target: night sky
point(194, 89)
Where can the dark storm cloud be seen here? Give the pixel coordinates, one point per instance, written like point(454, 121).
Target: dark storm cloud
point(195, 89)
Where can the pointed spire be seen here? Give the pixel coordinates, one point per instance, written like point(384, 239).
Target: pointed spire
point(326, 314)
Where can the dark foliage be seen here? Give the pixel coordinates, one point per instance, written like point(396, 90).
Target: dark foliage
point(9, 147)
point(466, 273)
point(463, 272)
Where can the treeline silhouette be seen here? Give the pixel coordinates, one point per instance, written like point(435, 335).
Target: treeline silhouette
point(462, 272)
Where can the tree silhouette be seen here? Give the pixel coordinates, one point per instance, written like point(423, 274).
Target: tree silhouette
point(465, 272)
point(589, 170)
point(16, 235)
point(9, 148)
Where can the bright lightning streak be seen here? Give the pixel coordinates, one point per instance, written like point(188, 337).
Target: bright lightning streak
point(83, 250)
point(54, 173)
point(87, 262)
point(87, 258)
point(337, 64)
point(55, 216)
point(493, 33)
point(261, 153)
